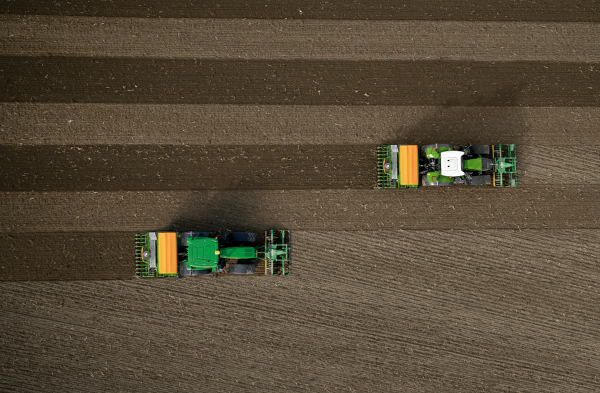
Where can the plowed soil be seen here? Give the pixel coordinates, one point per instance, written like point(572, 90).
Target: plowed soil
point(267, 116)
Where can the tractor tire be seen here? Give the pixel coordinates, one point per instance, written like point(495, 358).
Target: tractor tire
point(242, 237)
point(482, 150)
point(478, 180)
point(241, 268)
point(183, 271)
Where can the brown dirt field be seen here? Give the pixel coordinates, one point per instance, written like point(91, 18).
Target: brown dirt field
point(370, 312)
point(494, 10)
point(153, 168)
point(344, 210)
point(102, 124)
point(300, 39)
point(427, 290)
point(139, 80)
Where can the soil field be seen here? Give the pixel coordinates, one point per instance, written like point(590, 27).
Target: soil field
point(121, 117)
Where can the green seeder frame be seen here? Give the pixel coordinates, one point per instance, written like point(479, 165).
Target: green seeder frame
point(142, 267)
point(505, 165)
point(384, 179)
point(277, 253)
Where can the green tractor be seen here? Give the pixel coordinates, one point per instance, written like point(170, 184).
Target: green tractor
point(179, 254)
point(403, 166)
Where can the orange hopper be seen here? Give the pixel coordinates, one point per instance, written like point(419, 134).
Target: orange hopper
point(167, 253)
point(409, 165)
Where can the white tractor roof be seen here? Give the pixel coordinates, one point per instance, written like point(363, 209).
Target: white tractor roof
point(451, 163)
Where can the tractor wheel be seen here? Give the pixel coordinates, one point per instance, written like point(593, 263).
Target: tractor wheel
point(184, 271)
point(241, 268)
point(480, 149)
point(242, 237)
point(479, 180)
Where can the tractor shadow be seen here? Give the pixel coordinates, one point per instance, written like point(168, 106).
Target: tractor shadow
point(496, 120)
point(236, 211)
point(226, 211)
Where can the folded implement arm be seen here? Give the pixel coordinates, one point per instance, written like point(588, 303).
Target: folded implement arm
point(397, 166)
point(504, 159)
point(277, 253)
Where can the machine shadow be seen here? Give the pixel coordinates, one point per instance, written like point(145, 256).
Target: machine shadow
point(486, 122)
point(236, 211)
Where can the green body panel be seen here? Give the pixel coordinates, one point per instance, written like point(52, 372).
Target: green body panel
point(238, 253)
point(473, 164)
point(435, 176)
point(203, 253)
point(434, 152)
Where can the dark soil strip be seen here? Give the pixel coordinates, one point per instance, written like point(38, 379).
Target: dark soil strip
point(253, 167)
point(133, 80)
point(472, 208)
point(75, 256)
point(494, 10)
point(146, 167)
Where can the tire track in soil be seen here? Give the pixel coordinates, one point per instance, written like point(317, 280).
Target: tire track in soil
point(496, 10)
point(172, 168)
point(101, 124)
point(455, 83)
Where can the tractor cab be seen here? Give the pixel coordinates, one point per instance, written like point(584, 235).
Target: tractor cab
point(202, 253)
point(451, 163)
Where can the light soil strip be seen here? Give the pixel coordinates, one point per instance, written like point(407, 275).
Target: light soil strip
point(298, 39)
point(553, 207)
point(95, 124)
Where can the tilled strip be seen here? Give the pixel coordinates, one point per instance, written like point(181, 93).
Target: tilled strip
point(139, 80)
point(495, 10)
point(558, 207)
point(299, 39)
point(146, 167)
point(253, 167)
point(97, 124)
